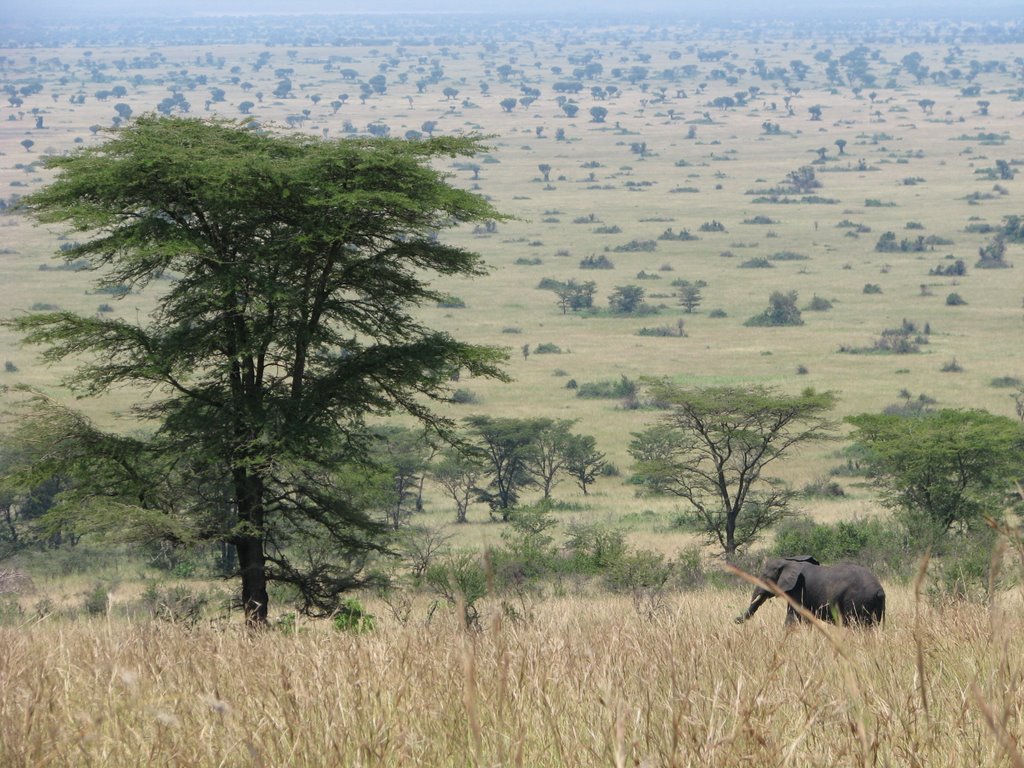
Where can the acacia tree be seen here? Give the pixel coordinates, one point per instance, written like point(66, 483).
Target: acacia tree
point(941, 470)
point(505, 447)
point(711, 449)
point(299, 264)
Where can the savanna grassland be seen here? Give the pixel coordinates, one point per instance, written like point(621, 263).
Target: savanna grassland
point(620, 135)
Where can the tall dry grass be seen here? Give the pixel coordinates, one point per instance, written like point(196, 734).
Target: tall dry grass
point(581, 683)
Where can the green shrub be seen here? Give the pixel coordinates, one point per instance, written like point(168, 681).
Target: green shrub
point(955, 300)
point(352, 617)
point(613, 390)
point(96, 601)
point(464, 397)
point(1006, 381)
point(459, 580)
point(594, 548)
point(547, 349)
point(879, 543)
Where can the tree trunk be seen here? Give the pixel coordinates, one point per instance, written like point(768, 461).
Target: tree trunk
point(253, 565)
point(252, 559)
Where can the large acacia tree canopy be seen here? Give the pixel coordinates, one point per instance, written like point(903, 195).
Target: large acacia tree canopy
point(294, 266)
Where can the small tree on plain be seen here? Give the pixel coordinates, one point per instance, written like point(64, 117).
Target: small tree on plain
point(711, 449)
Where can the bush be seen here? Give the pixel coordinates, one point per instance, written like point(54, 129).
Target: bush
point(594, 548)
point(819, 304)
point(352, 617)
point(758, 262)
point(451, 302)
point(955, 300)
point(97, 600)
point(547, 349)
point(872, 288)
point(877, 543)
point(177, 605)
point(460, 579)
point(464, 397)
point(10, 367)
point(612, 390)
point(1006, 381)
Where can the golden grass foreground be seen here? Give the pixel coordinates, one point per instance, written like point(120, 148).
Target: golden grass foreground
point(580, 683)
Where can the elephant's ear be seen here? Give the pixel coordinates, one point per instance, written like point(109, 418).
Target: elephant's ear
point(790, 576)
point(804, 559)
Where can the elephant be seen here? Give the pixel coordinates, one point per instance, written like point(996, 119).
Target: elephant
point(846, 589)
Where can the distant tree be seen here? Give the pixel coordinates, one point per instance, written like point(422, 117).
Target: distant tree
point(575, 296)
point(245, 107)
point(545, 169)
point(815, 112)
point(926, 105)
point(598, 114)
point(450, 93)
point(583, 462)
point(803, 179)
point(570, 109)
point(547, 455)
point(690, 297)
point(782, 310)
point(841, 144)
point(283, 88)
point(428, 127)
point(711, 448)
point(504, 446)
point(123, 111)
point(458, 473)
point(509, 103)
point(983, 106)
point(27, 144)
point(626, 299)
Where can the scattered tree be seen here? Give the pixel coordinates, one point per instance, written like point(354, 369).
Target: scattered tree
point(711, 449)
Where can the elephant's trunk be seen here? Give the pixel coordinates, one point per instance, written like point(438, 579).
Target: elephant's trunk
point(755, 602)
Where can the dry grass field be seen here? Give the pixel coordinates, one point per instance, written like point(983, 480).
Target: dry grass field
point(579, 680)
point(580, 683)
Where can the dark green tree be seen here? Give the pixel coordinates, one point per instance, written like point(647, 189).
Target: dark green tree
point(626, 299)
point(505, 447)
point(941, 470)
point(690, 297)
point(712, 446)
point(300, 264)
point(458, 473)
point(782, 310)
point(583, 461)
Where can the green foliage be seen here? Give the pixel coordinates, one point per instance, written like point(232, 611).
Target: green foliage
point(460, 580)
point(940, 471)
point(595, 548)
point(711, 448)
point(96, 601)
point(626, 299)
point(782, 310)
point(623, 388)
point(302, 263)
point(880, 543)
point(352, 617)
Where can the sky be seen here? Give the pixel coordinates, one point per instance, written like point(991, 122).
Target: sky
point(52, 9)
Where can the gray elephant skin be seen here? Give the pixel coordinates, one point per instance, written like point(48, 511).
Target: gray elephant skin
point(846, 590)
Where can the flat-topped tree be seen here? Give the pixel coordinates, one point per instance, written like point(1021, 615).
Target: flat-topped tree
point(712, 447)
point(299, 266)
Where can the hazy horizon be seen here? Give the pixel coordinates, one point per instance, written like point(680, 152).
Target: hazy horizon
point(57, 9)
